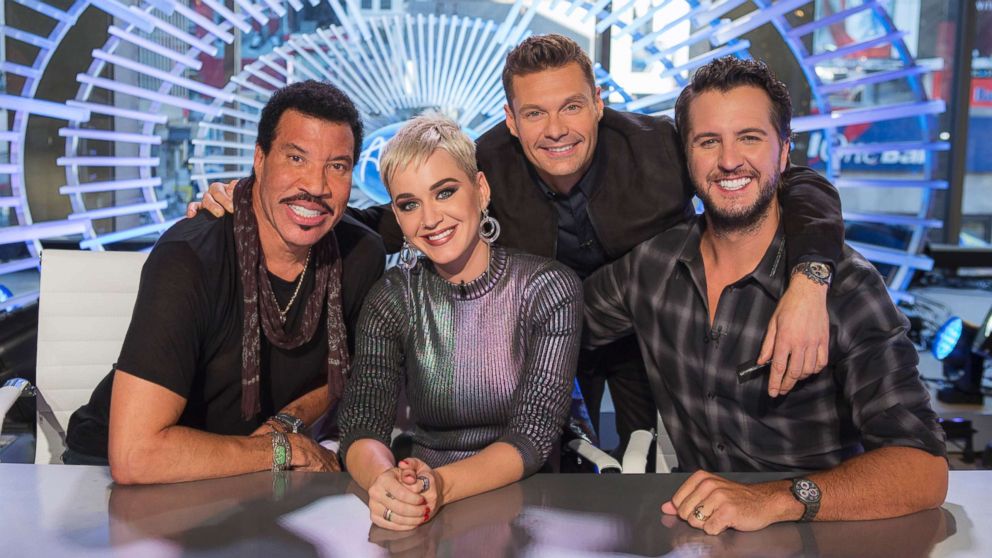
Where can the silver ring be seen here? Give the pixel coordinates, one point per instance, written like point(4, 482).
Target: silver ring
point(426, 482)
point(388, 514)
point(698, 513)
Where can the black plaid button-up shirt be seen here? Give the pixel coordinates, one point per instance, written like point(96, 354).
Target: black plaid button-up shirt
point(869, 396)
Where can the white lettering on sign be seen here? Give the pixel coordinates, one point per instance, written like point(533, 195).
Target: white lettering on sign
point(817, 149)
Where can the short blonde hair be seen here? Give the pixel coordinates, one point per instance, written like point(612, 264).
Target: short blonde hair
point(419, 138)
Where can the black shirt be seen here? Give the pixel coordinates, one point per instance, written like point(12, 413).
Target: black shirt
point(868, 396)
point(185, 332)
point(576, 245)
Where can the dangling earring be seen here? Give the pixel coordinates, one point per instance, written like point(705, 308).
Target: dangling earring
point(488, 227)
point(408, 256)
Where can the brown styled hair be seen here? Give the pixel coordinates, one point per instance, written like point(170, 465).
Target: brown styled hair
point(544, 52)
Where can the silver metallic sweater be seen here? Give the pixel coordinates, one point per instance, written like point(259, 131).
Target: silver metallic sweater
point(489, 361)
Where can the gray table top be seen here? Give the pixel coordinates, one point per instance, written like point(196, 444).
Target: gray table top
point(60, 510)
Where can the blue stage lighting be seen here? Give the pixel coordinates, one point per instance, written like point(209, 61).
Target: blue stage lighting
point(5, 293)
point(962, 350)
point(947, 337)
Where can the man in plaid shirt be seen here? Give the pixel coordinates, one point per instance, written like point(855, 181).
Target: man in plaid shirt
point(861, 435)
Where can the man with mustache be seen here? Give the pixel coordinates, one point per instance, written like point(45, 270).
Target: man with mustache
point(241, 328)
point(860, 438)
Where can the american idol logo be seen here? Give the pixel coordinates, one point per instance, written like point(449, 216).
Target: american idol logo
point(366, 175)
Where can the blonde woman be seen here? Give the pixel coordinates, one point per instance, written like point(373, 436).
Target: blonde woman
point(484, 338)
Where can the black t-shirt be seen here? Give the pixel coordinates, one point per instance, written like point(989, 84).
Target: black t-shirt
point(185, 332)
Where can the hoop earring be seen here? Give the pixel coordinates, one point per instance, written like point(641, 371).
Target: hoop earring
point(489, 228)
point(407, 257)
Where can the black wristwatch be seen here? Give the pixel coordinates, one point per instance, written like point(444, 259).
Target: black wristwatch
point(808, 494)
point(292, 424)
point(817, 272)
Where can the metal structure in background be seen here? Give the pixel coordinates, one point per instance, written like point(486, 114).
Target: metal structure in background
point(961, 107)
point(394, 67)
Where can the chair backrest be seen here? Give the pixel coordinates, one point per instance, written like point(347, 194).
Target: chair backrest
point(665, 458)
point(85, 306)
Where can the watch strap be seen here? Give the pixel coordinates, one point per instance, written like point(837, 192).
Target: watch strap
point(808, 494)
point(817, 272)
point(289, 422)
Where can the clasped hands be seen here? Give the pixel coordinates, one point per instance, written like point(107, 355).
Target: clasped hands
point(406, 496)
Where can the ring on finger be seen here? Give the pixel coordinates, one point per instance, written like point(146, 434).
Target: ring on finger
point(426, 482)
point(388, 514)
point(698, 513)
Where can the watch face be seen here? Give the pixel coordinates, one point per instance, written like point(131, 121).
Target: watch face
point(807, 490)
point(820, 270)
point(289, 421)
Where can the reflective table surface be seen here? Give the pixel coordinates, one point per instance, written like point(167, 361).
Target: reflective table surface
point(61, 510)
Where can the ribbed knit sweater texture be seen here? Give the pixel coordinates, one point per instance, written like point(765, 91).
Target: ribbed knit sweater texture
point(489, 361)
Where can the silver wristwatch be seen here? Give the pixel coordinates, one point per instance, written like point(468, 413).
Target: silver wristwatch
point(817, 272)
point(292, 424)
point(808, 494)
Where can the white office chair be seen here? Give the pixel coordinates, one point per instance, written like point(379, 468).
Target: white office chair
point(635, 457)
point(85, 306)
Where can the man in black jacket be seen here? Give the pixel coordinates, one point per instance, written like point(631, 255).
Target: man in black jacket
point(584, 184)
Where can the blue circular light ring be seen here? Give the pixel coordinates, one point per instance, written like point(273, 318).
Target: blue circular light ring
point(366, 174)
point(359, 28)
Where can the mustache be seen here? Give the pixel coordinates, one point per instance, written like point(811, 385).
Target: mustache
point(308, 197)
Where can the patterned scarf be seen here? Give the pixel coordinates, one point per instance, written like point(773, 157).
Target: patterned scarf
point(260, 307)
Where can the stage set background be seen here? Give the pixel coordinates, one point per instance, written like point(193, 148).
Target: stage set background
point(120, 112)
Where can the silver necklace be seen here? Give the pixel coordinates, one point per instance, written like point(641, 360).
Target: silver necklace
point(296, 291)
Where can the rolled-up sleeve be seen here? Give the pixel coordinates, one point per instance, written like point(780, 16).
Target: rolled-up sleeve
point(890, 406)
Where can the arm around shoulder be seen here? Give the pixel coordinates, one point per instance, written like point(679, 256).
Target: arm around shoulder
point(811, 213)
point(380, 219)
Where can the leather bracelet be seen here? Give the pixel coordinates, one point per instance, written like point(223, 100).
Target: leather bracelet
point(282, 452)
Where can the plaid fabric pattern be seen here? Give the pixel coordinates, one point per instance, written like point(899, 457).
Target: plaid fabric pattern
point(869, 396)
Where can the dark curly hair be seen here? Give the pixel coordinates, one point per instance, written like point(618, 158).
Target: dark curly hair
point(312, 98)
point(724, 74)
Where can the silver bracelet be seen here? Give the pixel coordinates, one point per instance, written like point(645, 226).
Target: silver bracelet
point(282, 451)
